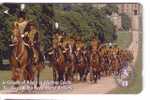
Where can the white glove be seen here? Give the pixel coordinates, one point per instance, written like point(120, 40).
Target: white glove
point(26, 33)
point(22, 35)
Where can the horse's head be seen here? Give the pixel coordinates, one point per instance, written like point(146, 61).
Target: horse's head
point(16, 36)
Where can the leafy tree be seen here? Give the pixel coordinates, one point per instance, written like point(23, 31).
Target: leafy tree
point(109, 9)
point(82, 20)
point(126, 21)
point(5, 32)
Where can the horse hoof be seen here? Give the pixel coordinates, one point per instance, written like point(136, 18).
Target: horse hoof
point(16, 85)
point(38, 85)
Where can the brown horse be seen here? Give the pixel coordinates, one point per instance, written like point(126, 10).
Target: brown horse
point(94, 64)
point(70, 62)
point(80, 65)
point(53, 61)
point(57, 60)
point(37, 64)
point(19, 59)
point(32, 39)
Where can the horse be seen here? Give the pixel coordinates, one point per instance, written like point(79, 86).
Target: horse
point(19, 58)
point(32, 40)
point(70, 61)
point(94, 64)
point(53, 61)
point(59, 65)
point(80, 65)
point(37, 64)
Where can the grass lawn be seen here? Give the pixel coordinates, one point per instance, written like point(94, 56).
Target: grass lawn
point(5, 75)
point(46, 74)
point(124, 39)
point(136, 86)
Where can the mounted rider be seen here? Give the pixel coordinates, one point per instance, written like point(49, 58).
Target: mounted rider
point(18, 29)
point(29, 33)
point(22, 22)
point(31, 38)
point(94, 44)
point(79, 43)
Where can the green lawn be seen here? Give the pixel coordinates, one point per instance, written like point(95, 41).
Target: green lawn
point(46, 74)
point(136, 86)
point(124, 39)
point(4, 76)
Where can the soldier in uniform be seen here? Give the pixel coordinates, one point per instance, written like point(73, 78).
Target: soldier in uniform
point(79, 43)
point(60, 39)
point(94, 44)
point(21, 22)
point(31, 39)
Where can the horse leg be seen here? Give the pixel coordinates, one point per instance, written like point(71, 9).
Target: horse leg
point(38, 78)
point(95, 76)
point(54, 76)
point(91, 74)
point(71, 74)
point(85, 74)
point(98, 74)
point(60, 77)
point(22, 74)
point(110, 71)
point(75, 74)
point(67, 75)
point(80, 75)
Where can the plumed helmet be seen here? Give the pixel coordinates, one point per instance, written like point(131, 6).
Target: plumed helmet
point(21, 14)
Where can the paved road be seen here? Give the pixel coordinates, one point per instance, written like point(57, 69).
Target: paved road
point(107, 84)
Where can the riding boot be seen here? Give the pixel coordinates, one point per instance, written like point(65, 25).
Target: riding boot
point(30, 51)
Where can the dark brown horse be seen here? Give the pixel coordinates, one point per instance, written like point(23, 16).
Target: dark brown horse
point(70, 62)
point(80, 65)
point(95, 65)
point(57, 60)
point(37, 64)
point(53, 61)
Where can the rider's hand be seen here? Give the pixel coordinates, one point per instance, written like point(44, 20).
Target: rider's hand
point(26, 33)
point(22, 35)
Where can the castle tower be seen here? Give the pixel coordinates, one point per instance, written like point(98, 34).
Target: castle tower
point(134, 11)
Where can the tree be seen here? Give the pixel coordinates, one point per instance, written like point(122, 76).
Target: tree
point(82, 20)
point(109, 9)
point(5, 32)
point(126, 21)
